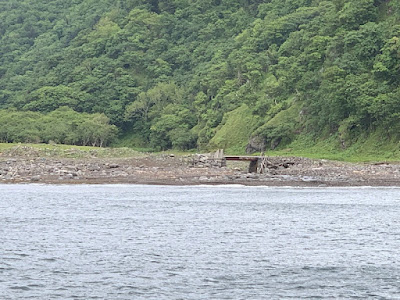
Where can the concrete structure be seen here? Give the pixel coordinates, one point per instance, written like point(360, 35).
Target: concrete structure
point(255, 161)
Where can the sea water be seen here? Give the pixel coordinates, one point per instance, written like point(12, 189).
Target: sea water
point(198, 242)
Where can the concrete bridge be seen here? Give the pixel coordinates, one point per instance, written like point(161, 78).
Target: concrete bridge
point(256, 162)
point(218, 158)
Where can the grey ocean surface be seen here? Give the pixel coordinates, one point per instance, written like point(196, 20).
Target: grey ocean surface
point(198, 242)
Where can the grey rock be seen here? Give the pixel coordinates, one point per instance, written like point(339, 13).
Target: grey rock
point(255, 144)
point(35, 178)
point(93, 168)
point(252, 176)
point(203, 178)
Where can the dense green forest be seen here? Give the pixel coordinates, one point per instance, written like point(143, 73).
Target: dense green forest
point(241, 75)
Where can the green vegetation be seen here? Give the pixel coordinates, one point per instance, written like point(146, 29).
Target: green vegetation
point(64, 151)
point(234, 132)
point(317, 77)
point(374, 148)
point(62, 125)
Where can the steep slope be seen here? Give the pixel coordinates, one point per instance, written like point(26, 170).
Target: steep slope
point(171, 72)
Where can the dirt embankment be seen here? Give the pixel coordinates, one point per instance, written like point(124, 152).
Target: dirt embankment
point(168, 169)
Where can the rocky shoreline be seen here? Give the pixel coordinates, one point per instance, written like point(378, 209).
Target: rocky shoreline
point(179, 170)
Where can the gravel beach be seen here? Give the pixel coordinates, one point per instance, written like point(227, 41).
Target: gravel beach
point(180, 170)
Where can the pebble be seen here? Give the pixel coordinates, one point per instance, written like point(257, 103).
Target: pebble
point(156, 168)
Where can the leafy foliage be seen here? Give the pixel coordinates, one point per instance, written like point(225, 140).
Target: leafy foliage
point(60, 126)
point(175, 72)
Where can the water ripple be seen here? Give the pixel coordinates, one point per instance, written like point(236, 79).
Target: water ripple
point(149, 242)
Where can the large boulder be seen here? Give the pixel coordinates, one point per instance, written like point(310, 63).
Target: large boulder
point(255, 144)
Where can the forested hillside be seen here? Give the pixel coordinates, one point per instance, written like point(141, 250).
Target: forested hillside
point(245, 74)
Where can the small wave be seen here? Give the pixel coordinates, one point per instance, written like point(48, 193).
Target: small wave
point(22, 288)
point(36, 285)
point(49, 259)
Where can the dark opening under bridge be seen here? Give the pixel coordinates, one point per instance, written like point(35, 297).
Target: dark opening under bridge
point(256, 162)
point(219, 159)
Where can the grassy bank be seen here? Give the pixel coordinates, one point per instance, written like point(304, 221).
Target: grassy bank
point(374, 148)
point(65, 151)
